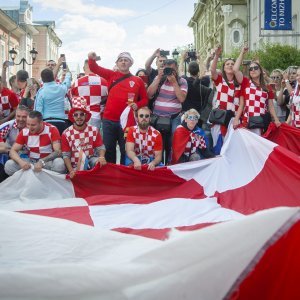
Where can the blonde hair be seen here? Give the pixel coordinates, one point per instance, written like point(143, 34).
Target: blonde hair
point(191, 111)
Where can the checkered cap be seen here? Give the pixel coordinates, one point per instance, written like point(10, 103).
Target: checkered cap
point(79, 103)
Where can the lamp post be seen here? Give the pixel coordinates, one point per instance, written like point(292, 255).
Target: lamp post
point(175, 54)
point(13, 54)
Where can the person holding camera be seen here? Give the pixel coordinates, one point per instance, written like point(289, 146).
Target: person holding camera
point(168, 91)
point(126, 93)
point(161, 57)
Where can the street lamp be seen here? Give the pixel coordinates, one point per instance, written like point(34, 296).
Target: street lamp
point(175, 54)
point(13, 54)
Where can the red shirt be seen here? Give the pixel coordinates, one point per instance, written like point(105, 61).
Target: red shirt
point(39, 145)
point(8, 102)
point(256, 99)
point(118, 95)
point(146, 143)
point(73, 140)
point(93, 88)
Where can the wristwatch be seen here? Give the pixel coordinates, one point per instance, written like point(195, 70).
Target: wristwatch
point(43, 163)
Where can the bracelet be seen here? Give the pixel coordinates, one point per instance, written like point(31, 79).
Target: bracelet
point(42, 162)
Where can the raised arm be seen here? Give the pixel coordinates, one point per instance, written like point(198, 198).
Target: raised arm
point(103, 72)
point(236, 68)
point(150, 60)
point(213, 66)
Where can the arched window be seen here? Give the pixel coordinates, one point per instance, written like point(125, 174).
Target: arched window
point(236, 36)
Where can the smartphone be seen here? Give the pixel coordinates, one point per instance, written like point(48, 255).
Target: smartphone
point(29, 81)
point(98, 58)
point(164, 52)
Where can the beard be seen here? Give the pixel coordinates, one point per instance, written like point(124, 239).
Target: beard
point(80, 123)
point(143, 125)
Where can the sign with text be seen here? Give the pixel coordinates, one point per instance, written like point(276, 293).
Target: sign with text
point(278, 15)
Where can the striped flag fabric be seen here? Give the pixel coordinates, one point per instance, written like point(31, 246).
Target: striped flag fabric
point(66, 238)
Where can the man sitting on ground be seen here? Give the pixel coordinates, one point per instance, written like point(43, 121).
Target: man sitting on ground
point(8, 134)
point(143, 143)
point(82, 145)
point(43, 143)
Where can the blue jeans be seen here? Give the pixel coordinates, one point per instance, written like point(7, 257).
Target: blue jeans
point(113, 133)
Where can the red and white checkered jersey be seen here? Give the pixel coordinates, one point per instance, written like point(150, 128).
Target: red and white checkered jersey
point(93, 88)
point(8, 102)
point(9, 132)
point(73, 140)
point(295, 107)
point(256, 100)
point(145, 143)
point(228, 96)
point(195, 141)
point(39, 145)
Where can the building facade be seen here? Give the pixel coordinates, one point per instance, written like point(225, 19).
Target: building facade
point(47, 42)
point(234, 22)
point(19, 31)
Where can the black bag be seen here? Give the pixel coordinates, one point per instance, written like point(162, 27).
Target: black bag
point(262, 121)
point(220, 116)
point(163, 124)
point(256, 122)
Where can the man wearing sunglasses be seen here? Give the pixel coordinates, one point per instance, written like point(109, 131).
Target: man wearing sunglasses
point(143, 143)
point(82, 146)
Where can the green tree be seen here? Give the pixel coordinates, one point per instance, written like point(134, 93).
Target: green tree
point(272, 56)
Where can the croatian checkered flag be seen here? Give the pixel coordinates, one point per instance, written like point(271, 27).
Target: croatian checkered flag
point(83, 162)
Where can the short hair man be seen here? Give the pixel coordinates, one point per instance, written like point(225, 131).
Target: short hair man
point(50, 99)
point(125, 90)
point(8, 134)
point(8, 104)
point(94, 89)
point(81, 140)
point(43, 143)
point(160, 60)
point(144, 143)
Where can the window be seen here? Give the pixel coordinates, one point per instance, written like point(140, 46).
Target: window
point(236, 37)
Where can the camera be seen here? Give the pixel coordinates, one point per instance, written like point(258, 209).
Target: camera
point(246, 62)
point(168, 71)
point(191, 56)
point(64, 64)
point(164, 53)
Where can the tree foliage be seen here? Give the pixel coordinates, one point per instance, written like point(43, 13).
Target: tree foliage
point(274, 56)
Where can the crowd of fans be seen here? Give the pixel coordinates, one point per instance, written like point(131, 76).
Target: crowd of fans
point(158, 116)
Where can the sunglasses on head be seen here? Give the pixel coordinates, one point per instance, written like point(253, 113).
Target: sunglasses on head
point(81, 114)
point(192, 118)
point(144, 116)
point(254, 68)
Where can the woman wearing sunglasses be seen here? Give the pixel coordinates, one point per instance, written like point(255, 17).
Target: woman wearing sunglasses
point(257, 95)
point(189, 141)
point(278, 87)
point(228, 94)
point(294, 117)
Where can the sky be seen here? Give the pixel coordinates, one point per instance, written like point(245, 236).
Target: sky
point(114, 26)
